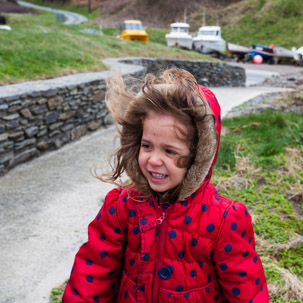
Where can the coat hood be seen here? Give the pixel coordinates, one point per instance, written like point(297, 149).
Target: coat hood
point(209, 133)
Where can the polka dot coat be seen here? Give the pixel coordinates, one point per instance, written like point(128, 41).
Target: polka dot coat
point(199, 249)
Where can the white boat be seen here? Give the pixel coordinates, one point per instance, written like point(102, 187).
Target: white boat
point(298, 54)
point(209, 40)
point(179, 36)
point(236, 49)
point(281, 52)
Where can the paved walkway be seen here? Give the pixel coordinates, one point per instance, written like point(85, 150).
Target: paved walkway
point(46, 205)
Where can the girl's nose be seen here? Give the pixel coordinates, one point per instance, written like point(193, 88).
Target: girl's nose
point(155, 159)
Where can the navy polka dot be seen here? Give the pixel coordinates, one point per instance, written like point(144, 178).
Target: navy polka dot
point(210, 227)
point(217, 296)
point(143, 221)
point(89, 262)
point(257, 281)
point(245, 254)
point(75, 292)
point(141, 288)
point(236, 291)
point(112, 210)
point(99, 216)
point(227, 248)
point(193, 273)
point(179, 288)
point(204, 207)
point(96, 299)
point(184, 203)
point(103, 253)
point(169, 294)
point(112, 285)
point(181, 254)
point(194, 242)
point(200, 263)
point(251, 301)
point(223, 266)
point(187, 220)
point(117, 230)
point(111, 272)
point(125, 294)
point(218, 199)
point(219, 118)
point(136, 230)
point(209, 278)
point(242, 274)
point(89, 279)
point(243, 233)
point(261, 288)
point(124, 199)
point(246, 213)
point(255, 259)
point(102, 237)
point(187, 295)
point(151, 203)
point(125, 230)
point(233, 226)
point(207, 289)
point(249, 240)
point(145, 257)
point(172, 234)
point(165, 205)
point(131, 213)
point(225, 214)
point(132, 262)
point(234, 206)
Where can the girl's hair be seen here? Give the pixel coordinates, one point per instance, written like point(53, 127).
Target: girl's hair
point(173, 92)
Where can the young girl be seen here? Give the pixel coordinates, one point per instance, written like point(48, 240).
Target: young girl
point(168, 236)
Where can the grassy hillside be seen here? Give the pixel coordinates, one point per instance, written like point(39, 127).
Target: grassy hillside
point(39, 47)
point(258, 21)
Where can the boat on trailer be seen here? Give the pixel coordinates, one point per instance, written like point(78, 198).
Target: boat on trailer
point(179, 36)
point(209, 40)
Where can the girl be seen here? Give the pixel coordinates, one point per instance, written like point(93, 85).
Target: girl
point(169, 236)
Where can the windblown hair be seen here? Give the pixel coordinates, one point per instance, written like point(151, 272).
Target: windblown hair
point(174, 92)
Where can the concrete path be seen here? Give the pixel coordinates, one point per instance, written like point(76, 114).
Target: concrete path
point(71, 18)
point(46, 205)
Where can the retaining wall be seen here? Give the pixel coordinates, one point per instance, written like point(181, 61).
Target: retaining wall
point(39, 116)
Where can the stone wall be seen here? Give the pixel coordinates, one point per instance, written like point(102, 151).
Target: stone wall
point(39, 116)
point(207, 73)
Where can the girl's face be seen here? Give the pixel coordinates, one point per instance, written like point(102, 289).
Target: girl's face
point(160, 149)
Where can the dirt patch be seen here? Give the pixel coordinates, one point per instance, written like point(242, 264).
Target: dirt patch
point(12, 8)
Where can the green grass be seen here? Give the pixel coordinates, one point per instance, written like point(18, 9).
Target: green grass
point(264, 151)
point(38, 47)
point(267, 22)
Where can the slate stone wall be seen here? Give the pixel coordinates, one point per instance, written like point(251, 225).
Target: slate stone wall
point(207, 73)
point(40, 116)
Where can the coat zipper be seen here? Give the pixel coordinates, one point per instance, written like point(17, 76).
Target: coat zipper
point(162, 221)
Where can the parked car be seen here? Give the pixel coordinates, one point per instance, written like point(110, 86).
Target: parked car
point(133, 30)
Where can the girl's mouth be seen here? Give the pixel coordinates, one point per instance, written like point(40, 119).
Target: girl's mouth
point(158, 176)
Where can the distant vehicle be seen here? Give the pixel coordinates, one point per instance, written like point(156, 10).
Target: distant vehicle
point(133, 30)
point(179, 36)
point(236, 49)
point(209, 40)
point(265, 51)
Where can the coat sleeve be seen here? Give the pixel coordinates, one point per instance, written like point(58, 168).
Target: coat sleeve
point(98, 264)
point(239, 268)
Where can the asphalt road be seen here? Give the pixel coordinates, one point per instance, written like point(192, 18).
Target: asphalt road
point(71, 18)
point(46, 205)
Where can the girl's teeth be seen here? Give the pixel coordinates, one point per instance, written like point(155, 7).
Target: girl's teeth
point(158, 175)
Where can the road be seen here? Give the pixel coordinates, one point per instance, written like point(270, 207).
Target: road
point(71, 18)
point(46, 205)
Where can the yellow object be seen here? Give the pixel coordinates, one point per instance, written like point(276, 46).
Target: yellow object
point(133, 30)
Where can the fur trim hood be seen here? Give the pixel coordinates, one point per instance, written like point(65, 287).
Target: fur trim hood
point(209, 131)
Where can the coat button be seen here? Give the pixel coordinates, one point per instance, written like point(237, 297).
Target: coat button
point(165, 272)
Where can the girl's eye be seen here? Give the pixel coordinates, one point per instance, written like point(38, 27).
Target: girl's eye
point(170, 152)
point(145, 146)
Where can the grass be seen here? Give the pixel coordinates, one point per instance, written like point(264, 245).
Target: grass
point(38, 47)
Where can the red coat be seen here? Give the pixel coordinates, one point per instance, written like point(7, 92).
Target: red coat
point(200, 249)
